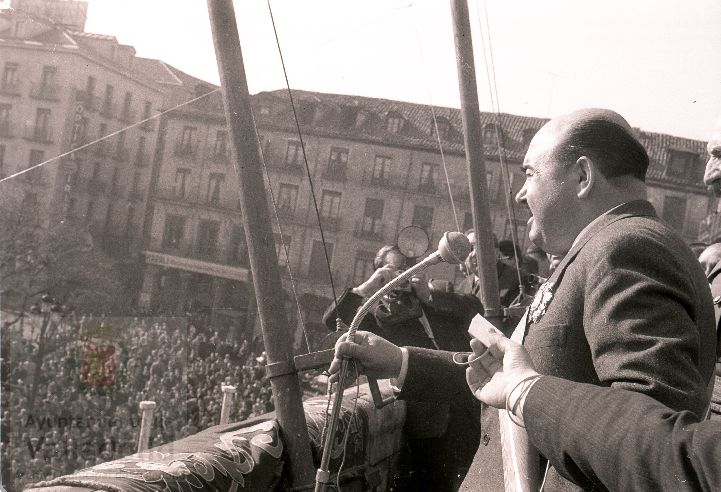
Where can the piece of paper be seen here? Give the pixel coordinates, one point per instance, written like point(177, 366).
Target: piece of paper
point(483, 330)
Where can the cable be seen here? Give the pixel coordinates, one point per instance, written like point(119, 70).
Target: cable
point(35, 166)
point(305, 157)
point(435, 124)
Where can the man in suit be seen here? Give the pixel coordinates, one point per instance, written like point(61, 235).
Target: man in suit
point(601, 438)
point(628, 305)
point(442, 436)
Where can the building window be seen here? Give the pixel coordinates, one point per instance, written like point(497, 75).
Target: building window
point(90, 87)
point(2, 161)
point(674, 211)
point(363, 266)
point(220, 149)
point(41, 132)
point(181, 182)
point(129, 227)
point(680, 163)
point(238, 247)
point(423, 217)
point(186, 142)
point(173, 234)
point(140, 155)
point(429, 177)
point(127, 101)
point(330, 204)
point(293, 154)
point(337, 163)
point(36, 157)
point(444, 127)
point(108, 100)
point(47, 79)
point(318, 267)
point(213, 194)
point(89, 211)
point(96, 171)
point(287, 197)
point(394, 123)
point(10, 77)
point(372, 217)
point(5, 120)
point(280, 248)
point(115, 182)
point(206, 245)
point(381, 169)
point(490, 131)
point(135, 187)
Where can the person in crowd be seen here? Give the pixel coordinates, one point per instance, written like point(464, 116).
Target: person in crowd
point(628, 306)
point(441, 434)
point(507, 274)
point(600, 438)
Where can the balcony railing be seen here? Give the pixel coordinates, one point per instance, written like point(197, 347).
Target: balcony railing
point(390, 181)
point(121, 154)
point(6, 130)
point(183, 149)
point(13, 88)
point(219, 157)
point(428, 189)
point(47, 92)
point(127, 115)
point(370, 232)
point(141, 159)
point(39, 134)
point(335, 175)
point(136, 195)
point(89, 101)
point(331, 224)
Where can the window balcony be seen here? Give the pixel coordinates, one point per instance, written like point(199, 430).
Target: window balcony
point(6, 130)
point(45, 92)
point(90, 102)
point(338, 175)
point(219, 157)
point(13, 88)
point(331, 224)
point(108, 109)
point(373, 231)
point(183, 149)
point(39, 134)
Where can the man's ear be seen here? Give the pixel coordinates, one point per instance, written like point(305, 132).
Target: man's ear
point(587, 176)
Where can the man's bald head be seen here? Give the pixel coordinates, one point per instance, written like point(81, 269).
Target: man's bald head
point(603, 136)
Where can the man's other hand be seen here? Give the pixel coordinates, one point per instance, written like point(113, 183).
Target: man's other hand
point(377, 357)
point(490, 380)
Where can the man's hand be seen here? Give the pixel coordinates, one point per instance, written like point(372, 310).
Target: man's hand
point(489, 380)
point(419, 284)
point(377, 280)
point(377, 357)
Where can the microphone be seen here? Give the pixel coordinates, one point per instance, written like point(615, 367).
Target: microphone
point(453, 248)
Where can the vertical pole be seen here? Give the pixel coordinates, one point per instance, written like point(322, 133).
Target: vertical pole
point(259, 236)
point(147, 408)
point(228, 393)
point(472, 138)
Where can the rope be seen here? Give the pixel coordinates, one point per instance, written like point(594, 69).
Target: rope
point(305, 157)
point(137, 123)
point(493, 91)
point(280, 231)
point(435, 124)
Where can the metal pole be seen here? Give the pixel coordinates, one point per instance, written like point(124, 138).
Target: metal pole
point(147, 408)
point(472, 138)
point(228, 393)
point(259, 236)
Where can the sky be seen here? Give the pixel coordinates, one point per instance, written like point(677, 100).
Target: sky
point(657, 62)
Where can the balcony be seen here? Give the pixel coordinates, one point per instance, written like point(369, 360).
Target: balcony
point(13, 88)
point(45, 92)
point(127, 115)
point(141, 159)
point(34, 177)
point(429, 189)
point(185, 150)
point(136, 195)
point(90, 102)
point(219, 157)
point(102, 148)
point(370, 231)
point(121, 154)
point(389, 181)
point(38, 134)
point(96, 186)
point(108, 109)
point(331, 224)
point(6, 130)
point(338, 175)
point(149, 125)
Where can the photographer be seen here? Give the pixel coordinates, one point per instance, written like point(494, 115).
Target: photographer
point(442, 437)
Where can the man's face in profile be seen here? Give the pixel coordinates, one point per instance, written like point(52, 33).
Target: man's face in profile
point(712, 175)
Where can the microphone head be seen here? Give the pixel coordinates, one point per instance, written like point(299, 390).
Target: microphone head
point(454, 247)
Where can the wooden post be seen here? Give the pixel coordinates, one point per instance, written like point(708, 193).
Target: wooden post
point(228, 393)
point(147, 408)
point(259, 237)
point(473, 140)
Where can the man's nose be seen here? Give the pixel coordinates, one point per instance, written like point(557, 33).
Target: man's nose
point(713, 171)
point(521, 195)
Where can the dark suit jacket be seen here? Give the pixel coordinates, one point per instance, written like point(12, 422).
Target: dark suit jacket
point(631, 308)
point(715, 279)
point(608, 439)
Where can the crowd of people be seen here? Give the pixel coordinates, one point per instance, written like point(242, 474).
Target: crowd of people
point(74, 424)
